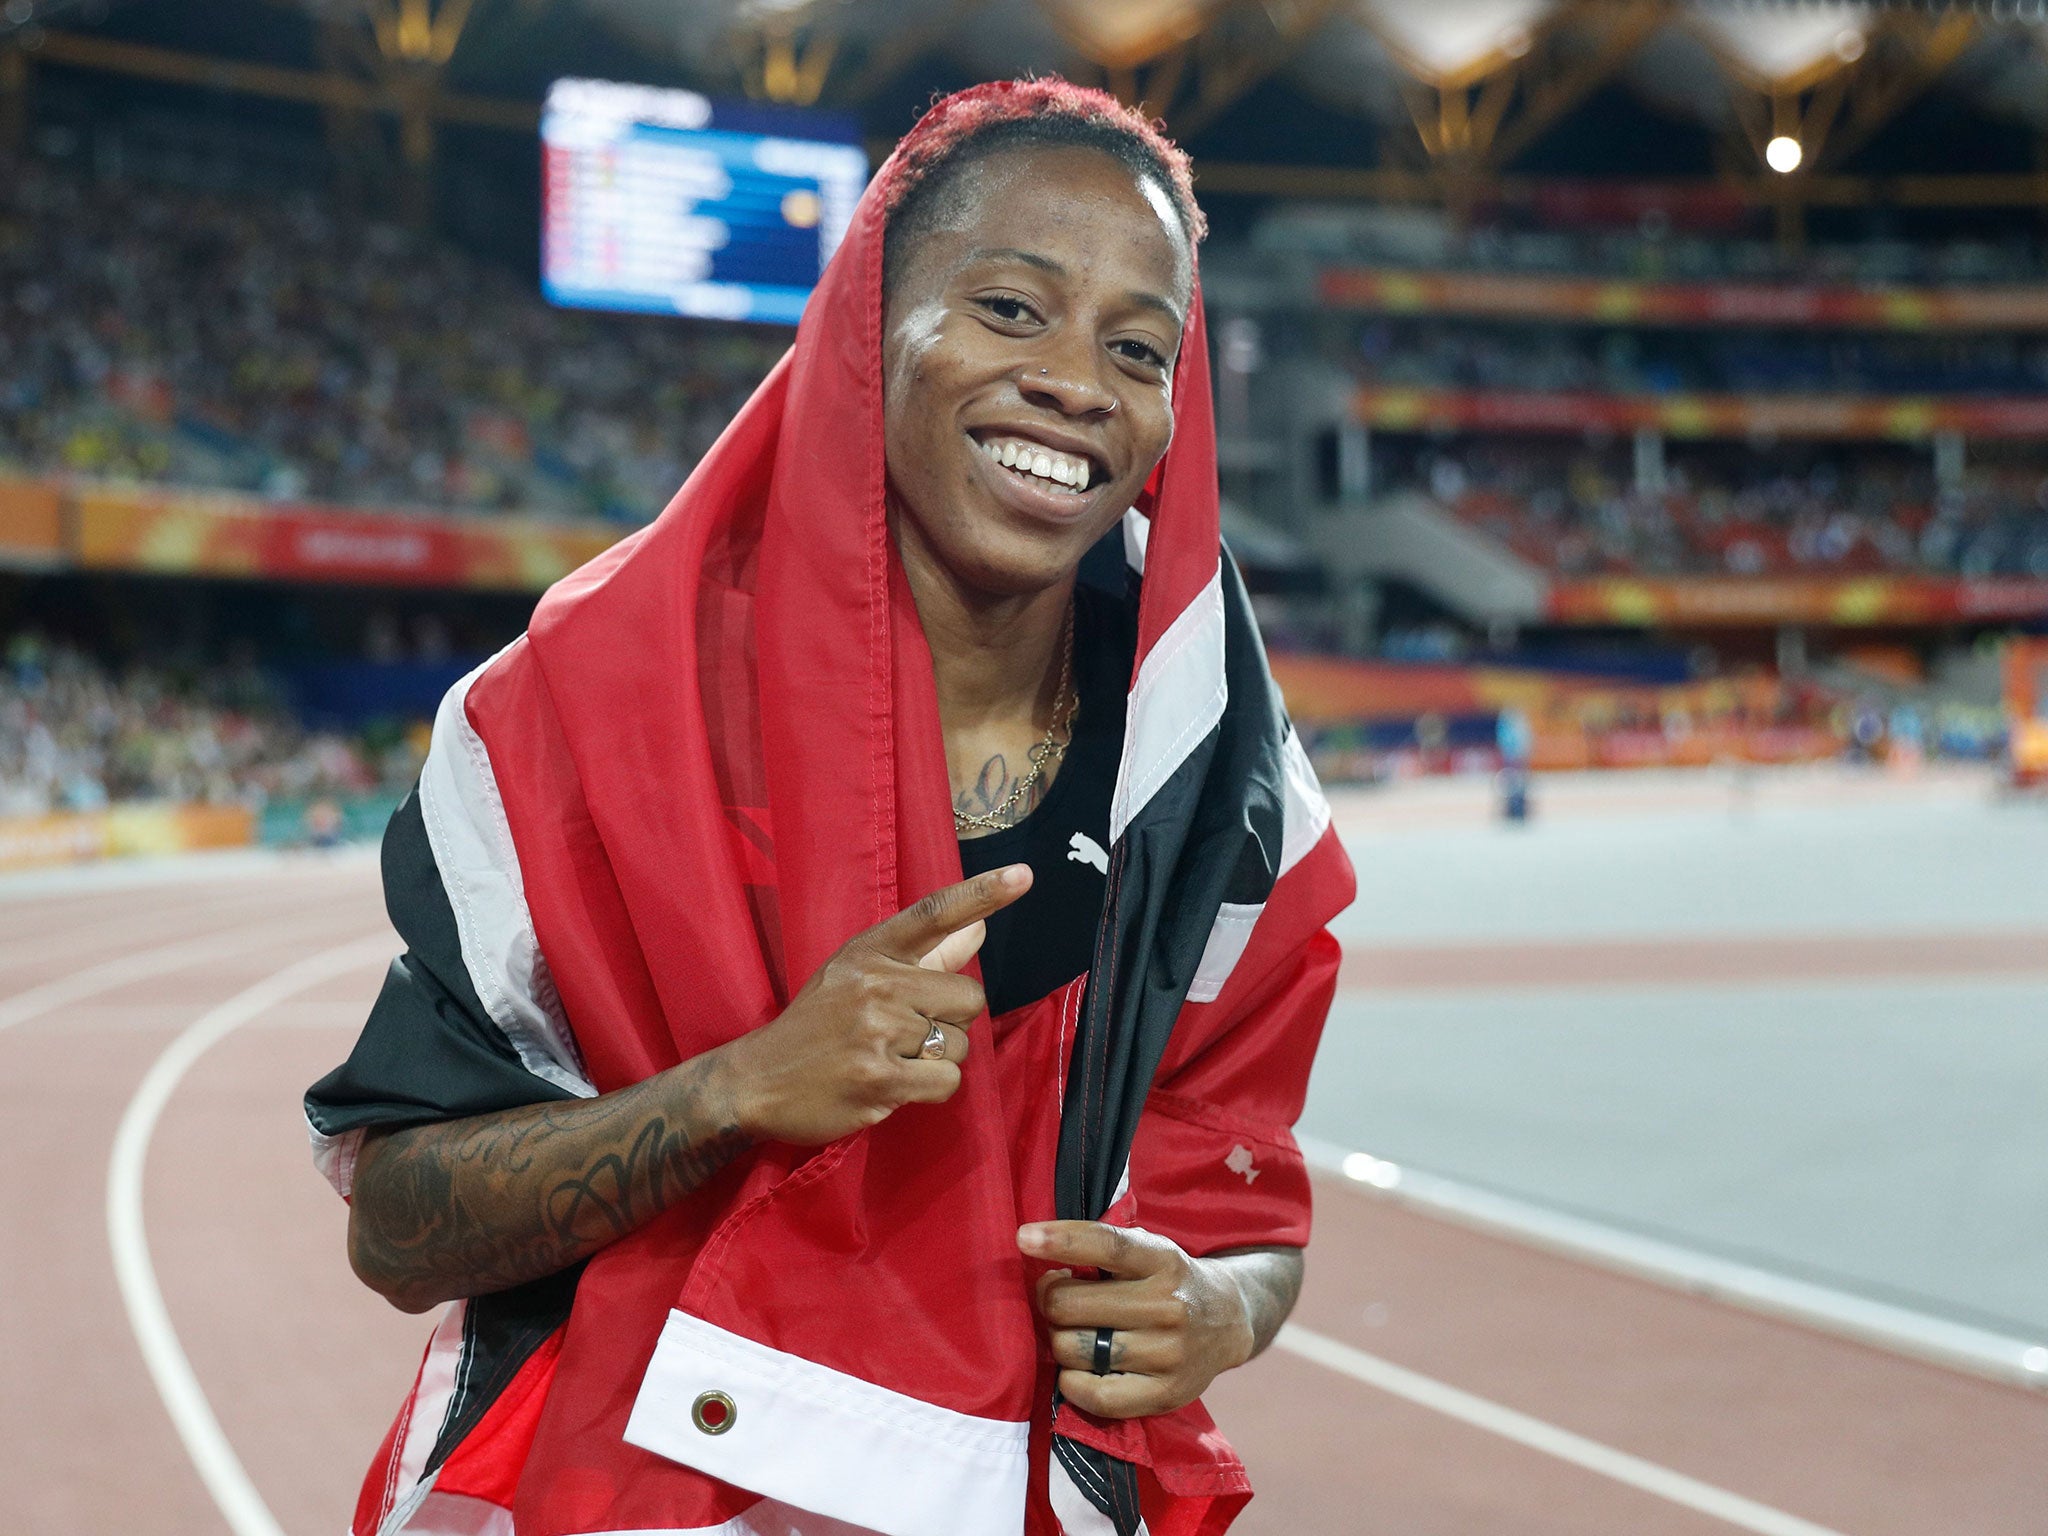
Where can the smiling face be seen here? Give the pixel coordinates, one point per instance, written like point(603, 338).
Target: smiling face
point(1028, 343)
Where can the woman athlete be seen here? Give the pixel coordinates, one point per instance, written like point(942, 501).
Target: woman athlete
point(866, 941)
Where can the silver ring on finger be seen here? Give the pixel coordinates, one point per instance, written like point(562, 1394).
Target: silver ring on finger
point(934, 1047)
point(1105, 1351)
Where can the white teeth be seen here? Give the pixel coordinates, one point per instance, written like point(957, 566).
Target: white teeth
point(1029, 459)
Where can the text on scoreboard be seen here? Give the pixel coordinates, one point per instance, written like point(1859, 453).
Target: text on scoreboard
point(663, 201)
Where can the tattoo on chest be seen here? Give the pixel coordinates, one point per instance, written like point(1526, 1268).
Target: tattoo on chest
point(992, 787)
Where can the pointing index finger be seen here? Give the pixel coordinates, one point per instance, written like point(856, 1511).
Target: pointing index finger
point(926, 924)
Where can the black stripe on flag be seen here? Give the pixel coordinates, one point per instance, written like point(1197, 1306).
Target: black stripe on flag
point(1211, 834)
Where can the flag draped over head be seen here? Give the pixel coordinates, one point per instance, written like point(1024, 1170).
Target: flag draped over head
point(714, 758)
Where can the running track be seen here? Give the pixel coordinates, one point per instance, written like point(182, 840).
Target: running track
point(1437, 1381)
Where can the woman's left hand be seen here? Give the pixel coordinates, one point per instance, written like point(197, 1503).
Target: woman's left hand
point(1178, 1322)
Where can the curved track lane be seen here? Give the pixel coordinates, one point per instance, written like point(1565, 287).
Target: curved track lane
point(301, 1367)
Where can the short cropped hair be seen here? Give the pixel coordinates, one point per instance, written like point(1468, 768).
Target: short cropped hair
point(970, 125)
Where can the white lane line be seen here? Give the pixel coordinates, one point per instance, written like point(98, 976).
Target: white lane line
point(140, 966)
point(137, 871)
point(82, 933)
point(1537, 1435)
point(2014, 1360)
point(218, 1466)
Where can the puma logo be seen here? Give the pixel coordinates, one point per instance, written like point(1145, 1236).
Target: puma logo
point(1083, 849)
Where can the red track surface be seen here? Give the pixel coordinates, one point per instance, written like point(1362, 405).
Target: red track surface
point(303, 1367)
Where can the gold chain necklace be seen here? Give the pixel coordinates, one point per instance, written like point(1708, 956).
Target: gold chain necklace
point(1050, 748)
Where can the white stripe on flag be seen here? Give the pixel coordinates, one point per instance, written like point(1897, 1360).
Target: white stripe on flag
point(1077, 1515)
point(1176, 701)
point(1228, 936)
point(472, 843)
point(425, 1416)
point(1305, 814)
point(1137, 534)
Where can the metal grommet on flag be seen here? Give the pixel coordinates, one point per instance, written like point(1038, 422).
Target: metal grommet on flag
point(713, 1412)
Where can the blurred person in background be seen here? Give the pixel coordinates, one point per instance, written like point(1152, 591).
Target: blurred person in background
point(760, 1210)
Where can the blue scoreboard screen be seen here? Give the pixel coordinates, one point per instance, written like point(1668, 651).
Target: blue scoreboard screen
point(666, 202)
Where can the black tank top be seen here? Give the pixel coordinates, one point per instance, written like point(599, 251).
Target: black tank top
point(1046, 938)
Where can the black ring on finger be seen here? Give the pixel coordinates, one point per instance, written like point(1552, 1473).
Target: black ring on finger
point(1105, 1346)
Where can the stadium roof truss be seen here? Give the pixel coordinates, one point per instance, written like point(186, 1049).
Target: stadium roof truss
point(1480, 95)
point(398, 50)
point(1452, 94)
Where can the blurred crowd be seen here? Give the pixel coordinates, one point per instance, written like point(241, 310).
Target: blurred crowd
point(77, 735)
point(1552, 358)
point(1580, 513)
point(1654, 249)
point(279, 346)
point(1756, 719)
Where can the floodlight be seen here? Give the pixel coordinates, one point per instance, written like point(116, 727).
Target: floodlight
point(1783, 154)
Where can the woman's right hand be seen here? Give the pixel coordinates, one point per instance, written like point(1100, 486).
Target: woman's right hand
point(845, 1053)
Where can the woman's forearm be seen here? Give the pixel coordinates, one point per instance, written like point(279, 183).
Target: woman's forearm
point(1270, 1279)
point(483, 1204)
point(465, 1207)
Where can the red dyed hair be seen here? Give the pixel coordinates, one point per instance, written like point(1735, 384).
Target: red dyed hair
point(954, 122)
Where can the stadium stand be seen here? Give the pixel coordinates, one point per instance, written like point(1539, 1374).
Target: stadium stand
point(1644, 401)
point(77, 735)
point(1643, 243)
point(1575, 511)
point(164, 332)
point(1449, 355)
point(277, 346)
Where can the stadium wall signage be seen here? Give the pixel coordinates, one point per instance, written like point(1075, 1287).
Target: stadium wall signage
point(31, 525)
point(1576, 721)
point(81, 837)
point(55, 524)
point(1514, 296)
point(1847, 601)
point(1868, 418)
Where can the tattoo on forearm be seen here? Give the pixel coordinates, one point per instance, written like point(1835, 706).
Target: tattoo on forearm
point(478, 1205)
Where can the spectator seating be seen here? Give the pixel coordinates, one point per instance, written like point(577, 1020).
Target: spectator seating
point(283, 347)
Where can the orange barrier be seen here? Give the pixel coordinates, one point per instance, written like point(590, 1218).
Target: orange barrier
point(31, 523)
point(1562, 747)
point(1870, 418)
point(81, 837)
point(202, 533)
point(1327, 690)
point(2025, 702)
point(1576, 721)
point(1512, 296)
point(1323, 690)
point(1850, 601)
